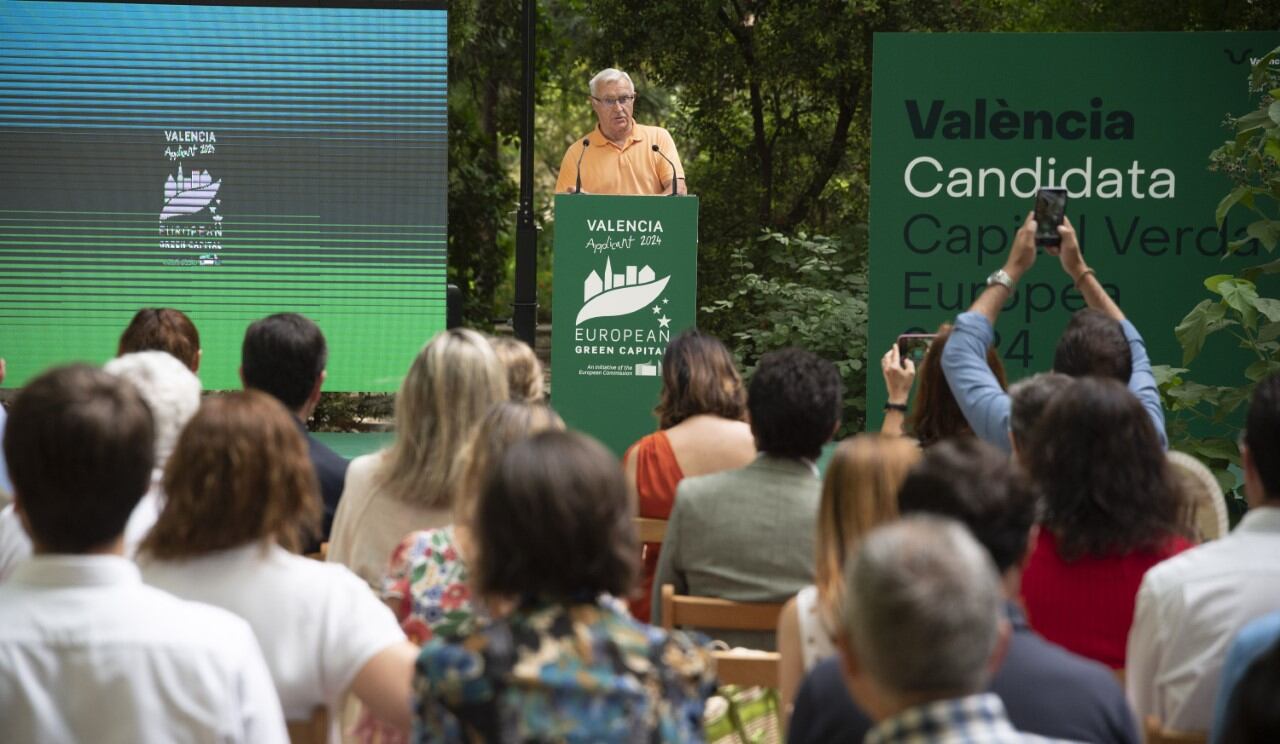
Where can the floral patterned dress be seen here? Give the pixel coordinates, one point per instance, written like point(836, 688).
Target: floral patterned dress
point(426, 586)
point(550, 672)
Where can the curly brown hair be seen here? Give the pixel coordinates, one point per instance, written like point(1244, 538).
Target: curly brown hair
point(162, 329)
point(1097, 460)
point(240, 473)
point(935, 414)
point(699, 377)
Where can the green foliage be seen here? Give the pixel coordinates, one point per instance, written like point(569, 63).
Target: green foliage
point(798, 290)
point(1205, 418)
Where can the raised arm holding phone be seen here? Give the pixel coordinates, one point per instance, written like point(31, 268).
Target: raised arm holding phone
point(1097, 340)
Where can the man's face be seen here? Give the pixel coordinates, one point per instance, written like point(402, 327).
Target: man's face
point(615, 120)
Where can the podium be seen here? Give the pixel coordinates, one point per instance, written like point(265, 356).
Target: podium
point(624, 283)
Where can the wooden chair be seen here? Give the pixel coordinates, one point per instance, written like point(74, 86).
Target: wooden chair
point(721, 614)
point(314, 730)
point(748, 668)
point(651, 530)
point(1156, 733)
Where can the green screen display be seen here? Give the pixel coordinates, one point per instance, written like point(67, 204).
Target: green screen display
point(966, 127)
point(230, 161)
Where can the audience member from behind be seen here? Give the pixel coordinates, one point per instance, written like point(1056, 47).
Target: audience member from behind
point(1190, 607)
point(859, 493)
point(554, 534)
point(284, 355)
point(1046, 690)
point(747, 535)
point(1111, 511)
point(700, 430)
point(172, 393)
point(1097, 341)
point(1027, 400)
point(242, 496)
point(923, 630)
point(427, 582)
point(524, 371)
point(451, 385)
point(936, 414)
point(163, 329)
point(87, 652)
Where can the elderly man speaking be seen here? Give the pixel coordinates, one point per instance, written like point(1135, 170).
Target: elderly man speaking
point(620, 156)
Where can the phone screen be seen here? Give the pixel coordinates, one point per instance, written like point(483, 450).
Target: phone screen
point(913, 346)
point(1051, 205)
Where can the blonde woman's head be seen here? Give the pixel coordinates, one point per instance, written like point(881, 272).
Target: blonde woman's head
point(450, 386)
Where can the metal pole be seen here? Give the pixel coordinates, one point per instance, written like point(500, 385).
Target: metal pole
point(525, 319)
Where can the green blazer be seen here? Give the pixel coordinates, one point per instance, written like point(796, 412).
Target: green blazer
point(745, 535)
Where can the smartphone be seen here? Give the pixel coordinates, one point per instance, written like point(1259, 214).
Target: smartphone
point(1051, 207)
point(913, 346)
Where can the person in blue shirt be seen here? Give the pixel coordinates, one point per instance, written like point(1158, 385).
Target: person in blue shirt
point(1098, 340)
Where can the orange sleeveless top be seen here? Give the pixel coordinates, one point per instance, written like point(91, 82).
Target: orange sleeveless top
point(657, 475)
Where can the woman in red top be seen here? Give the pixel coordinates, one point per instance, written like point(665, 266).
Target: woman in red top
point(701, 430)
point(1111, 512)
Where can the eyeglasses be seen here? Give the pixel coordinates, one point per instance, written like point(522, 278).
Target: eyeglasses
point(611, 102)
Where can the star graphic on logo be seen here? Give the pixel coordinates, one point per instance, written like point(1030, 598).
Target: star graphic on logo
point(657, 309)
point(665, 300)
point(664, 322)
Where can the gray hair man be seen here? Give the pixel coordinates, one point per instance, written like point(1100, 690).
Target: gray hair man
point(924, 628)
point(1027, 400)
point(620, 156)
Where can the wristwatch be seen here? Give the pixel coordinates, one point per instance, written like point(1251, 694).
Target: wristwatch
point(1002, 278)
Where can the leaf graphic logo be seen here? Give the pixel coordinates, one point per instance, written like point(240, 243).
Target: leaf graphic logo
point(619, 294)
point(189, 194)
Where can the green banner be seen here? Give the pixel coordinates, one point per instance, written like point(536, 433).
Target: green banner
point(966, 126)
point(625, 282)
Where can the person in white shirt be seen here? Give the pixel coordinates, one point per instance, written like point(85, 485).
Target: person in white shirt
point(241, 494)
point(1191, 606)
point(172, 392)
point(87, 651)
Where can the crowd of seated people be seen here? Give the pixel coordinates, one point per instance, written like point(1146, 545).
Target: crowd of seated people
point(1000, 564)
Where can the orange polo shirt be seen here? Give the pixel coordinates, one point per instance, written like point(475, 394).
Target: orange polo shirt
point(633, 168)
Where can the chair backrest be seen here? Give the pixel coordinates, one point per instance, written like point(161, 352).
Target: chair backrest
point(314, 730)
point(1205, 508)
point(748, 668)
point(722, 614)
point(651, 530)
point(1156, 733)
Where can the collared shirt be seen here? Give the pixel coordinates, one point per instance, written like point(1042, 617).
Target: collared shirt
point(986, 406)
point(1046, 690)
point(89, 653)
point(1189, 608)
point(976, 719)
point(630, 168)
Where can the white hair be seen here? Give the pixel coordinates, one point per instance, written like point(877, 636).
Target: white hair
point(171, 391)
point(610, 75)
point(923, 607)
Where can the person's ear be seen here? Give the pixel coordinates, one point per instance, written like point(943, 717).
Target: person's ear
point(195, 367)
point(240, 371)
point(1003, 635)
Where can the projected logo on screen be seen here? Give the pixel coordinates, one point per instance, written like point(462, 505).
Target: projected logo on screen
point(190, 194)
point(190, 225)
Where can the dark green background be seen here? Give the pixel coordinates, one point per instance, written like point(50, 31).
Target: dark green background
point(1177, 86)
